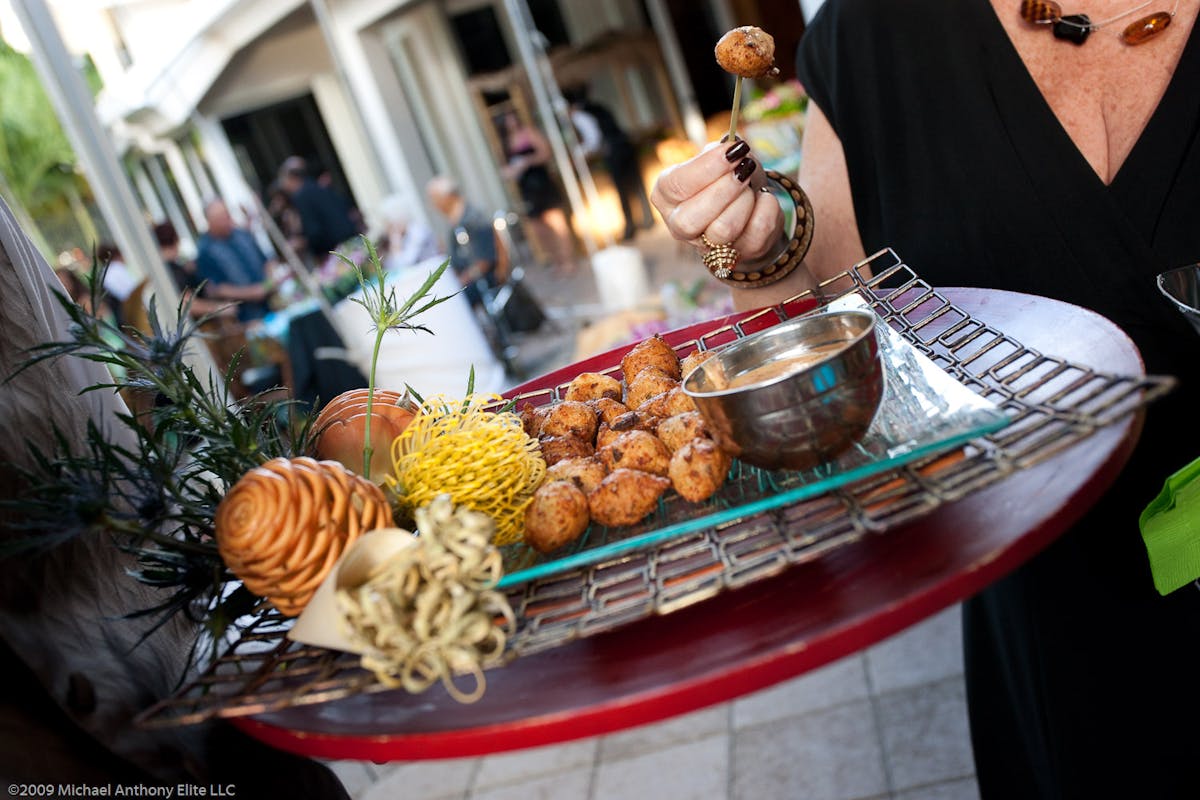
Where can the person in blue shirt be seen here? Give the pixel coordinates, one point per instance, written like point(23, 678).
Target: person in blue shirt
point(235, 268)
point(472, 245)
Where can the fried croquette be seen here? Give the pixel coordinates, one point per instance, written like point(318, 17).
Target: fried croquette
point(635, 420)
point(531, 419)
point(586, 473)
point(676, 431)
point(652, 352)
point(556, 448)
point(698, 469)
point(693, 360)
point(669, 403)
point(557, 515)
point(570, 418)
point(649, 382)
point(608, 409)
point(593, 386)
point(625, 496)
point(636, 450)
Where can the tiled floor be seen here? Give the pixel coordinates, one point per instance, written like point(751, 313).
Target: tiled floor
point(889, 722)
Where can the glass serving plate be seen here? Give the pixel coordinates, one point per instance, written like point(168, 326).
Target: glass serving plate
point(924, 411)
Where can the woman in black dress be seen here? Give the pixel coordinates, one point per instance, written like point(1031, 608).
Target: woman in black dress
point(529, 156)
point(989, 151)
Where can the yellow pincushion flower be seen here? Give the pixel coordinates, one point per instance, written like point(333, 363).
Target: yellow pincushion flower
point(482, 459)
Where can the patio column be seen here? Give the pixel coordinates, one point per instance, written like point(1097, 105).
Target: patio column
point(199, 173)
point(219, 155)
point(183, 179)
point(173, 210)
point(145, 188)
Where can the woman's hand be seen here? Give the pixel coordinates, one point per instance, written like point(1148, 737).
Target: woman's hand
point(717, 195)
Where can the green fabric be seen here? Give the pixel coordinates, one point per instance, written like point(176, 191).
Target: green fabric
point(1170, 528)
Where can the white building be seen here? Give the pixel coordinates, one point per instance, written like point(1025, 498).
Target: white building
point(205, 98)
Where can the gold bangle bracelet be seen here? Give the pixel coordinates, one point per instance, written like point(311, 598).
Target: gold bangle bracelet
point(797, 246)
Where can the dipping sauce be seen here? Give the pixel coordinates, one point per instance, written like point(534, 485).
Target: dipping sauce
point(784, 366)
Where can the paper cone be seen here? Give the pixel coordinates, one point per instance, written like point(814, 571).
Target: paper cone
point(321, 624)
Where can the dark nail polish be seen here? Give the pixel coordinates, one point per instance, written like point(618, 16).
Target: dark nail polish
point(745, 169)
point(736, 151)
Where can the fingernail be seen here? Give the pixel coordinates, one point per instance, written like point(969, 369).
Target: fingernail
point(736, 151)
point(745, 169)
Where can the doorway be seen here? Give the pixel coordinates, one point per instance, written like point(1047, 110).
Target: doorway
point(263, 138)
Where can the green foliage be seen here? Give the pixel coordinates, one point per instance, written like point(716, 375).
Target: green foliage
point(387, 313)
point(156, 496)
point(36, 159)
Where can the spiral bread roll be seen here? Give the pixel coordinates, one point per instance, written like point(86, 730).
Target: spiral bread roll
point(748, 52)
point(283, 526)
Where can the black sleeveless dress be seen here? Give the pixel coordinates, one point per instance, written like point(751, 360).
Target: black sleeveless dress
point(1081, 679)
point(538, 189)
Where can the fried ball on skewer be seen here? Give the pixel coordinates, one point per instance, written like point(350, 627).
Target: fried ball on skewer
point(570, 418)
point(668, 403)
point(557, 515)
point(625, 496)
point(556, 448)
point(593, 386)
point(649, 382)
point(638, 450)
point(652, 352)
point(608, 409)
point(678, 430)
point(586, 473)
point(698, 469)
point(748, 52)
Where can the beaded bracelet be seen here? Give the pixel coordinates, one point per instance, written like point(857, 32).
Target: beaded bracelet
point(797, 246)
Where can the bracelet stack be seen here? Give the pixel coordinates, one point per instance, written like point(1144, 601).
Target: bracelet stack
point(717, 258)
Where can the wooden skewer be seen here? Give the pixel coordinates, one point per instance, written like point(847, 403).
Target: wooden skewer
point(737, 107)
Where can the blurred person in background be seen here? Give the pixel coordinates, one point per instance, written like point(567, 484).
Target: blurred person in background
point(326, 217)
point(528, 157)
point(472, 245)
point(285, 216)
point(405, 241)
point(600, 135)
point(119, 281)
point(183, 272)
point(230, 260)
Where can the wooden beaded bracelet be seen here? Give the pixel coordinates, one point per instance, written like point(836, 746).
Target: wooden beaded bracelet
point(797, 246)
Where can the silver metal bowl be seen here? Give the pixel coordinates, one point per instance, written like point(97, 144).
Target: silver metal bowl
point(795, 395)
point(1182, 287)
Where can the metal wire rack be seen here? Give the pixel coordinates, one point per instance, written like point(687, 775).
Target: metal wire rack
point(1052, 403)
